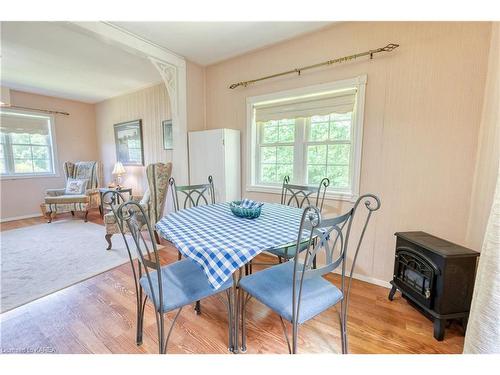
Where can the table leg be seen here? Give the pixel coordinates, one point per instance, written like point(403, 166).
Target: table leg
point(236, 310)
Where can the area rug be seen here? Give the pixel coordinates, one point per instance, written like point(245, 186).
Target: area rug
point(41, 259)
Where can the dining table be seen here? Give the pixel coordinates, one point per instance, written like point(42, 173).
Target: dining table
point(222, 243)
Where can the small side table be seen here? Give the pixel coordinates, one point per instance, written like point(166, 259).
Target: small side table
point(102, 191)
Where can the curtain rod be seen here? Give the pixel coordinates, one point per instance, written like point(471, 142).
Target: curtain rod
point(36, 109)
point(388, 48)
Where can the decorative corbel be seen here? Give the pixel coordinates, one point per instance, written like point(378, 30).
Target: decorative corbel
point(168, 73)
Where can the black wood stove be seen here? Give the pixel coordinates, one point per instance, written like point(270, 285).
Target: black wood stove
point(435, 276)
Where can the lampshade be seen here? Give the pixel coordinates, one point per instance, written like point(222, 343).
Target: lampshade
point(119, 169)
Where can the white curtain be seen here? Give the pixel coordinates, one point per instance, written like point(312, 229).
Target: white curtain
point(483, 331)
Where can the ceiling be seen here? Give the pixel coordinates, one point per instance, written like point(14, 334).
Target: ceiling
point(56, 59)
point(206, 43)
point(60, 59)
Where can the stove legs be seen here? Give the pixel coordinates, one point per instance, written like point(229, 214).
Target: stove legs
point(439, 326)
point(392, 292)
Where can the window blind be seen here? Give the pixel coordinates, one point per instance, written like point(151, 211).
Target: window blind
point(15, 123)
point(319, 105)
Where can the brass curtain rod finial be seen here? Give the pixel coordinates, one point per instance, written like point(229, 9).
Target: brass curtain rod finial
point(388, 48)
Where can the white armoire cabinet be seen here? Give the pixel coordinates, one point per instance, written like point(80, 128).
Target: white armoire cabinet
point(217, 153)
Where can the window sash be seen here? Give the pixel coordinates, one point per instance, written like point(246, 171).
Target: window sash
point(300, 155)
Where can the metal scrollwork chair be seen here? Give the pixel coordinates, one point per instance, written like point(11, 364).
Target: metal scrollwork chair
point(297, 196)
point(192, 196)
point(297, 291)
point(169, 287)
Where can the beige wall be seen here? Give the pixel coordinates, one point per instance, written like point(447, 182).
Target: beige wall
point(488, 154)
point(152, 106)
point(76, 140)
point(422, 115)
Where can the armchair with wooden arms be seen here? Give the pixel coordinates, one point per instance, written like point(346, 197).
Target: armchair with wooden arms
point(152, 202)
point(57, 201)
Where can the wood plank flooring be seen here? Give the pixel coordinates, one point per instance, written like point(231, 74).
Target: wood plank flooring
point(98, 316)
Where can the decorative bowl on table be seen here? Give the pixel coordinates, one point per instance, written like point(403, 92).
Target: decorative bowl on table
point(246, 208)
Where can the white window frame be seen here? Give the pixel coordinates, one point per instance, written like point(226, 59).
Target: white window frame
point(359, 83)
point(52, 135)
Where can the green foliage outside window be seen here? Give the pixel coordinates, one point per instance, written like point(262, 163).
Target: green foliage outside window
point(327, 149)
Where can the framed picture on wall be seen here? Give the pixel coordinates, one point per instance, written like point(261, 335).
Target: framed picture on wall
point(167, 134)
point(129, 145)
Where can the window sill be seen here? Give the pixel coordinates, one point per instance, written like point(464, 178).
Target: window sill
point(330, 195)
point(28, 176)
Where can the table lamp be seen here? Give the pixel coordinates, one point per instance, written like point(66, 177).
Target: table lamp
point(118, 171)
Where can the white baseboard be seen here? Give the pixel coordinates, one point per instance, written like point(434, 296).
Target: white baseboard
point(368, 279)
point(20, 217)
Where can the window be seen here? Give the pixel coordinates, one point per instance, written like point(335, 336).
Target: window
point(26, 144)
point(307, 134)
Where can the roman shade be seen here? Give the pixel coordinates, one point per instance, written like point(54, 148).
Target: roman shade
point(25, 124)
point(317, 105)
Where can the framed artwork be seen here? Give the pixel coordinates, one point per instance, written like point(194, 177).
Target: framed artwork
point(128, 140)
point(167, 134)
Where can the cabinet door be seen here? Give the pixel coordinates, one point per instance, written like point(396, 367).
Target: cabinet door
point(206, 157)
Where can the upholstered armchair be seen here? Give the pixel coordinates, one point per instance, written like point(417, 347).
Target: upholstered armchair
point(152, 202)
point(59, 201)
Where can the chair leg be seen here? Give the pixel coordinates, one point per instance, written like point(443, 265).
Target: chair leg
point(295, 334)
point(157, 238)
point(164, 351)
point(108, 239)
point(85, 217)
point(343, 329)
point(161, 334)
point(197, 308)
point(286, 335)
point(51, 216)
point(140, 320)
point(344, 338)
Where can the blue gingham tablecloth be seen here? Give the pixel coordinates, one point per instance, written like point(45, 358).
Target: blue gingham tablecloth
point(221, 242)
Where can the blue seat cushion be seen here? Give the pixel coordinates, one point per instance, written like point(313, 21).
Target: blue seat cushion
point(183, 282)
point(273, 287)
point(288, 252)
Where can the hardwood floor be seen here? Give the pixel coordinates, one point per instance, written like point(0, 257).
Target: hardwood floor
point(98, 316)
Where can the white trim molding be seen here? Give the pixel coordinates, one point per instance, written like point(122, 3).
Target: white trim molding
point(367, 279)
point(172, 69)
point(29, 216)
point(358, 83)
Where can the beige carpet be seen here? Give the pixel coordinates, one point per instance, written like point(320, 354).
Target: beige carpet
point(41, 259)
